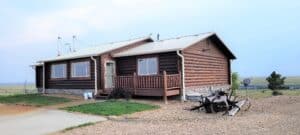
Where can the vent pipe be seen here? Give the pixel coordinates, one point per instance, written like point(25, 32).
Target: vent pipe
point(157, 37)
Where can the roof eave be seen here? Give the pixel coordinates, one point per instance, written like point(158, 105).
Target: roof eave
point(89, 55)
point(233, 57)
point(136, 54)
point(76, 57)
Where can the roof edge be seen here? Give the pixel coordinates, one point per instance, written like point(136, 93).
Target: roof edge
point(97, 54)
point(170, 50)
point(210, 34)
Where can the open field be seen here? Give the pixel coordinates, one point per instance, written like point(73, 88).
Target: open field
point(10, 89)
point(290, 80)
point(264, 93)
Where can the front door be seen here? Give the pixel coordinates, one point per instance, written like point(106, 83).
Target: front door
point(109, 74)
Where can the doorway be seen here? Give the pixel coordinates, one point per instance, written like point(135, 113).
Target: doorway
point(109, 74)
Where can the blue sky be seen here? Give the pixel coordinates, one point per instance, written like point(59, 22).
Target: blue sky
point(264, 35)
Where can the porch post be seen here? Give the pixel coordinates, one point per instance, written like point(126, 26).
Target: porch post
point(134, 82)
point(165, 87)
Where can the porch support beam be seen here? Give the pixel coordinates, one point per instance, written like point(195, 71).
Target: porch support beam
point(165, 87)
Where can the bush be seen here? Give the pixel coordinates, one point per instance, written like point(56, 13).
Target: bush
point(276, 93)
point(276, 82)
point(118, 93)
point(235, 83)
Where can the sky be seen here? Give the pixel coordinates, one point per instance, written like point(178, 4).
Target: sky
point(264, 35)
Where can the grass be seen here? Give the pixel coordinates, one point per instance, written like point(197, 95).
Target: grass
point(32, 99)
point(256, 94)
point(79, 126)
point(111, 107)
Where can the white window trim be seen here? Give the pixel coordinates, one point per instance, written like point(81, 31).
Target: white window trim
point(157, 69)
point(64, 72)
point(88, 70)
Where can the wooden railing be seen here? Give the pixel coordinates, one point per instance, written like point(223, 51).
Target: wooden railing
point(164, 82)
point(173, 81)
point(146, 82)
point(124, 82)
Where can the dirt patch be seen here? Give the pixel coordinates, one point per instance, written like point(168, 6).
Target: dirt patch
point(274, 115)
point(14, 109)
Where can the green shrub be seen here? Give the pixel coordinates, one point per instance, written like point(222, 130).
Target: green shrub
point(276, 82)
point(118, 93)
point(276, 93)
point(235, 83)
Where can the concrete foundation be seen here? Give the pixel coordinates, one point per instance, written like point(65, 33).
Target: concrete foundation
point(205, 90)
point(67, 91)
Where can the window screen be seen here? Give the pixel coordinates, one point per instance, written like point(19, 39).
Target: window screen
point(80, 69)
point(147, 66)
point(58, 71)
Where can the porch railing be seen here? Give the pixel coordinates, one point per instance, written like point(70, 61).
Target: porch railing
point(165, 82)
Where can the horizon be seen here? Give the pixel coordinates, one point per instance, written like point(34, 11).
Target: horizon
point(263, 35)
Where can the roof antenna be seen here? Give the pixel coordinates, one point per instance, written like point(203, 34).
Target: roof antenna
point(69, 45)
point(157, 37)
point(58, 44)
point(74, 39)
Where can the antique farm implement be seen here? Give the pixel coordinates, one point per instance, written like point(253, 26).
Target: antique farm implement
point(220, 101)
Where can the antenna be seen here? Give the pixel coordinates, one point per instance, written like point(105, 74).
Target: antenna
point(74, 39)
point(58, 44)
point(70, 47)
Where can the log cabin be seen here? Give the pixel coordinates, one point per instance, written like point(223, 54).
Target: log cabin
point(145, 67)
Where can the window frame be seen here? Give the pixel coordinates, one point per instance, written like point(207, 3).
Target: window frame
point(80, 77)
point(147, 57)
point(65, 71)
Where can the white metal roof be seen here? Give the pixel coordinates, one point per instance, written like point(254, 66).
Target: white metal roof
point(164, 45)
point(97, 50)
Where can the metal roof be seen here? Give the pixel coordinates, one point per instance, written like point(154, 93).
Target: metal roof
point(167, 45)
point(97, 50)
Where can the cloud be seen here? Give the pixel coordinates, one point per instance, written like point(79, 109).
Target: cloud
point(79, 19)
point(104, 16)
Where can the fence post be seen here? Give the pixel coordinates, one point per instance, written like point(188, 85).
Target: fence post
point(134, 82)
point(165, 86)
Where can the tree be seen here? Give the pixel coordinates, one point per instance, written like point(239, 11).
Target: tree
point(276, 82)
point(235, 83)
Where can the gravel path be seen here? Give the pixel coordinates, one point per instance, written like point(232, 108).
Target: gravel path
point(275, 115)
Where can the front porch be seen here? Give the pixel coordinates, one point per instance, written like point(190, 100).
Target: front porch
point(151, 85)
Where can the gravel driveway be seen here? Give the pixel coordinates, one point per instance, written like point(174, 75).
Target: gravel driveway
point(278, 115)
point(43, 121)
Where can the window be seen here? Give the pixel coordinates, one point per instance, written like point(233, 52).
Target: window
point(58, 71)
point(147, 66)
point(80, 69)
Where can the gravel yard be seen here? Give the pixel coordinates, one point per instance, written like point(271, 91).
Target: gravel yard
point(274, 115)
